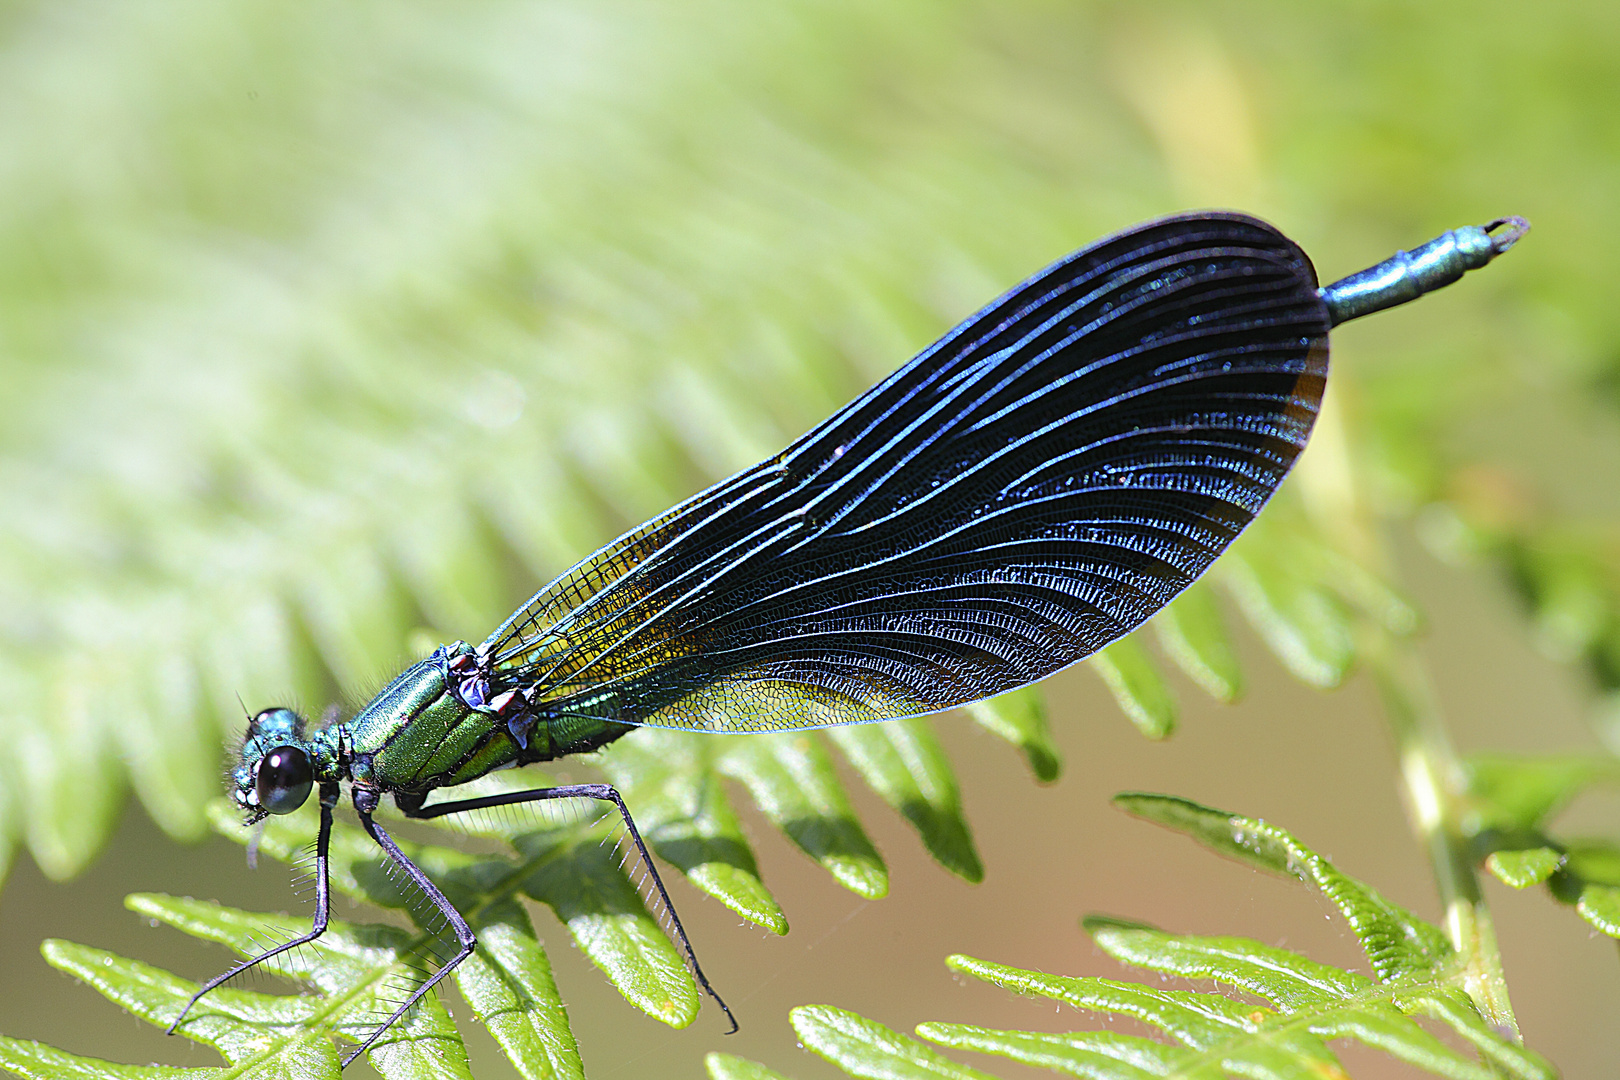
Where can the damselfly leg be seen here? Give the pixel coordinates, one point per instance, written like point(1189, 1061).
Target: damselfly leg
point(365, 802)
point(323, 906)
point(604, 792)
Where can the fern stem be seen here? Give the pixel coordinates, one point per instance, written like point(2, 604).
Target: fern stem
point(1431, 773)
point(1432, 780)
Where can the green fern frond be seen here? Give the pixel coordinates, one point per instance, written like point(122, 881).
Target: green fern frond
point(1020, 718)
point(1511, 803)
point(265, 1035)
point(1132, 677)
point(674, 782)
point(1193, 635)
point(1274, 1014)
point(363, 971)
point(333, 329)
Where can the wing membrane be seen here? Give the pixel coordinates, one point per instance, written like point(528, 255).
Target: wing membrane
point(1031, 487)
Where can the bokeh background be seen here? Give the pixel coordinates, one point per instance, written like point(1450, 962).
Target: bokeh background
point(323, 326)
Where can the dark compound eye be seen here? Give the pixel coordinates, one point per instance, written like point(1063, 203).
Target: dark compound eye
point(284, 780)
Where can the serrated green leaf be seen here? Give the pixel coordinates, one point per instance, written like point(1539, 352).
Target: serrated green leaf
point(1332, 1003)
point(561, 858)
point(1590, 879)
point(1103, 1055)
point(356, 966)
point(1564, 580)
point(563, 865)
point(792, 779)
point(1522, 869)
point(904, 763)
point(1395, 940)
point(508, 983)
point(423, 1045)
point(741, 891)
point(1510, 800)
point(169, 745)
point(1137, 687)
point(71, 802)
point(1284, 978)
point(1568, 573)
point(1213, 828)
point(871, 1051)
point(446, 567)
point(1366, 591)
point(337, 959)
point(1594, 860)
point(683, 812)
point(1600, 906)
point(358, 614)
point(37, 1061)
point(1509, 792)
point(1211, 1035)
point(1456, 1009)
point(581, 878)
point(1019, 716)
point(260, 1034)
point(11, 817)
point(604, 913)
point(1191, 633)
point(731, 1067)
point(1226, 1036)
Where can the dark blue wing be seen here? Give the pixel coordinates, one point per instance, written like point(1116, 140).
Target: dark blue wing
point(1031, 487)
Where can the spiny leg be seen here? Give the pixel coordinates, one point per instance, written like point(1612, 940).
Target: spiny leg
point(606, 793)
point(365, 802)
point(323, 897)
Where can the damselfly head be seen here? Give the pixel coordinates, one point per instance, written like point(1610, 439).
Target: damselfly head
point(275, 776)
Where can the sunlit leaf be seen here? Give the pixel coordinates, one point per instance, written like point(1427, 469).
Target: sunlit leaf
point(1137, 686)
point(1522, 869)
point(1192, 634)
point(1511, 803)
point(1020, 718)
point(1305, 1006)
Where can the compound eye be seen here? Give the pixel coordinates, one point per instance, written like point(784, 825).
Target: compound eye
point(284, 780)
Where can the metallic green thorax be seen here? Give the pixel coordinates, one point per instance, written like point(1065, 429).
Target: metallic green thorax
point(419, 734)
point(437, 724)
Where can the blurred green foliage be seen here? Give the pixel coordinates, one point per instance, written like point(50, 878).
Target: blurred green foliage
point(328, 331)
point(318, 328)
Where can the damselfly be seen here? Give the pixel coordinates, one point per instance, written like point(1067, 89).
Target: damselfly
point(1031, 487)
